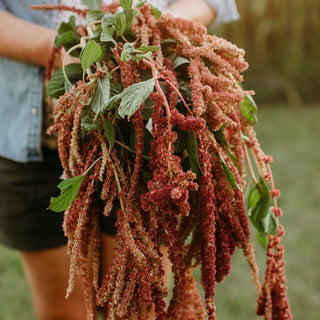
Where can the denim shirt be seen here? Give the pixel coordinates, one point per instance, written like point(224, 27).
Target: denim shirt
point(21, 90)
point(21, 85)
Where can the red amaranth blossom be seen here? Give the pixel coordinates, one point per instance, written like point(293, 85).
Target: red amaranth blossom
point(273, 302)
point(162, 188)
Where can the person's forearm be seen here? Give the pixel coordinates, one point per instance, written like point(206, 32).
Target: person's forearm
point(196, 10)
point(24, 41)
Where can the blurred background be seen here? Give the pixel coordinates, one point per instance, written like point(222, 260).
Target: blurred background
point(282, 43)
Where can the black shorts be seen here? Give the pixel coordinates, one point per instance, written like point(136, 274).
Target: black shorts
point(25, 191)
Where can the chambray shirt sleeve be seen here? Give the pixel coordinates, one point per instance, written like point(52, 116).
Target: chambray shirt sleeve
point(226, 11)
point(2, 6)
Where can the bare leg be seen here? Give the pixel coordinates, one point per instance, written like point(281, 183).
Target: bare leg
point(107, 246)
point(47, 273)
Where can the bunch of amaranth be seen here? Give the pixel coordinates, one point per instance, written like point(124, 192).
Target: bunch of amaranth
point(154, 127)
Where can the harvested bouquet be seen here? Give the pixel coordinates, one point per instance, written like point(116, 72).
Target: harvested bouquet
point(153, 126)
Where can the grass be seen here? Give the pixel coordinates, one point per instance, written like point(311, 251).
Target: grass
point(292, 137)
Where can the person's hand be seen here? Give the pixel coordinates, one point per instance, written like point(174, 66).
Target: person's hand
point(61, 59)
point(196, 10)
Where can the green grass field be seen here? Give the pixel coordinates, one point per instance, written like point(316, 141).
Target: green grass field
point(292, 137)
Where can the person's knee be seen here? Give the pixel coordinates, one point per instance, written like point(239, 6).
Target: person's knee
point(62, 314)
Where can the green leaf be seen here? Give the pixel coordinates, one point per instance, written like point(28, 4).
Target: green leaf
point(107, 34)
point(69, 38)
point(94, 15)
point(254, 199)
point(67, 85)
point(107, 20)
point(155, 11)
point(133, 97)
point(141, 56)
point(126, 4)
point(110, 132)
point(126, 54)
point(178, 61)
point(259, 210)
point(130, 15)
point(92, 4)
point(110, 104)
point(148, 110)
point(263, 239)
point(145, 49)
point(101, 94)
point(230, 176)
point(56, 86)
point(168, 48)
point(115, 88)
point(184, 88)
point(192, 147)
point(120, 23)
point(231, 156)
point(88, 124)
point(270, 223)
point(182, 140)
point(249, 109)
point(69, 190)
point(91, 53)
point(220, 137)
point(265, 198)
point(68, 26)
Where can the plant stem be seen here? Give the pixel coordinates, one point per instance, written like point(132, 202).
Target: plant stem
point(91, 166)
point(250, 168)
point(272, 187)
point(65, 60)
point(159, 90)
point(126, 147)
point(179, 93)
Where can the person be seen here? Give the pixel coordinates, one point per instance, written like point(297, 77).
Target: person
point(29, 169)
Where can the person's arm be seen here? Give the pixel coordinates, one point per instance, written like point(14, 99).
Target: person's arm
point(196, 10)
point(24, 41)
point(226, 11)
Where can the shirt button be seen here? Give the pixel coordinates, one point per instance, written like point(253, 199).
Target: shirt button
point(34, 111)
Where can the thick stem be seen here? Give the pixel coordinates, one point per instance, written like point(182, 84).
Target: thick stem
point(159, 90)
point(252, 174)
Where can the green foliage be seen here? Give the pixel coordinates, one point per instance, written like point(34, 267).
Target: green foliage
point(230, 176)
point(192, 147)
point(69, 190)
point(260, 212)
point(67, 35)
point(155, 12)
point(178, 61)
point(130, 52)
point(110, 133)
point(92, 4)
point(126, 4)
point(131, 99)
point(94, 15)
point(107, 34)
point(120, 23)
point(57, 84)
point(101, 94)
point(249, 109)
point(90, 54)
point(88, 124)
